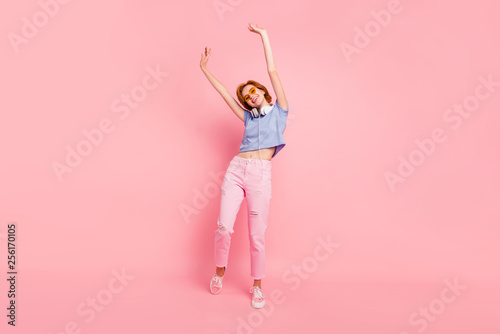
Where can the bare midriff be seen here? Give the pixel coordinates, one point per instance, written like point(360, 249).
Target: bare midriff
point(265, 154)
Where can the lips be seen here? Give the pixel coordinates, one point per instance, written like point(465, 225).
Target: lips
point(255, 99)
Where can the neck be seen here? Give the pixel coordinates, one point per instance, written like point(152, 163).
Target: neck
point(264, 104)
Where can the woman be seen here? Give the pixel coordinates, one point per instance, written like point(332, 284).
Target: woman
point(245, 175)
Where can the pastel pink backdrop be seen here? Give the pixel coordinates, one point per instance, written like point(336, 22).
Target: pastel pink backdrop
point(122, 207)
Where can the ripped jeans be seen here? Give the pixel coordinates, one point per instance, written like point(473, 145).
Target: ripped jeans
point(245, 178)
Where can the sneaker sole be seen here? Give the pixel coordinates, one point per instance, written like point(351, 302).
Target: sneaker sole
point(258, 305)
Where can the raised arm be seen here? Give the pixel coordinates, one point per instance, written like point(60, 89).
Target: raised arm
point(271, 67)
point(223, 91)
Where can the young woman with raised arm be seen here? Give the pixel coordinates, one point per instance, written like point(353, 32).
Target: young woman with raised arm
point(249, 172)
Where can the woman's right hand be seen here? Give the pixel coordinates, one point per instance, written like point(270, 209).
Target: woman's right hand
point(204, 58)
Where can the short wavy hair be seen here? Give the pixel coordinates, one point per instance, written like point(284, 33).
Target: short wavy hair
point(267, 96)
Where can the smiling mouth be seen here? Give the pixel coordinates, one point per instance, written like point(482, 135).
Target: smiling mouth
point(254, 99)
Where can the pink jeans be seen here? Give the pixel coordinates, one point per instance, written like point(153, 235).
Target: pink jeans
point(250, 178)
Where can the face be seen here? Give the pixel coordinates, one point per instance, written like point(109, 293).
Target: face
point(253, 95)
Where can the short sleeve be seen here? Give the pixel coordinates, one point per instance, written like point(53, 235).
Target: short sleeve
point(245, 116)
point(285, 112)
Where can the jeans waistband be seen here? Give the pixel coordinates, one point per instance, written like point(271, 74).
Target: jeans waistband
point(244, 161)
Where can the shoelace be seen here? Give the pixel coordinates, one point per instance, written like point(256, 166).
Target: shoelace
point(258, 295)
point(217, 281)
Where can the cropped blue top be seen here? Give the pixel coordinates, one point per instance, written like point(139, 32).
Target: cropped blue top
point(270, 126)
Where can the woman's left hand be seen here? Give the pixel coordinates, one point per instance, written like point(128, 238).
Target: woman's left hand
point(256, 29)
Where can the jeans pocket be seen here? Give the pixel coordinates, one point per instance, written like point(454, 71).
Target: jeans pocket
point(232, 166)
point(267, 174)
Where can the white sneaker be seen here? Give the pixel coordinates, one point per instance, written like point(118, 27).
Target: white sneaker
point(216, 283)
point(258, 300)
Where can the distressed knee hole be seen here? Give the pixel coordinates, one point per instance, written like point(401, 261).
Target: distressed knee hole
point(222, 228)
point(254, 213)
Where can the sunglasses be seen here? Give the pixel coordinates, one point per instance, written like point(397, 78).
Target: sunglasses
point(247, 97)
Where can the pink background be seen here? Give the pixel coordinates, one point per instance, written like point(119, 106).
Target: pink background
point(350, 121)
